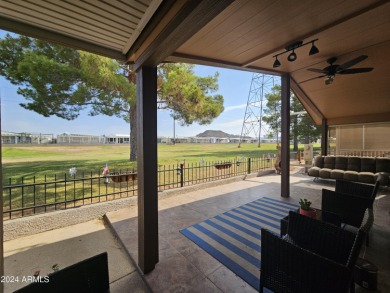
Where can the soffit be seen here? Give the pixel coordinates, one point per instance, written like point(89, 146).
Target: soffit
point(248, 34)
point(106, 27)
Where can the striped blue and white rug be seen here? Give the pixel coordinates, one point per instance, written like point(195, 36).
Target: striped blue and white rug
point(234, 237)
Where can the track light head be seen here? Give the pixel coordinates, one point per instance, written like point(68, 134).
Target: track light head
point(292, 57)
point(313, 49)
point(276, 63)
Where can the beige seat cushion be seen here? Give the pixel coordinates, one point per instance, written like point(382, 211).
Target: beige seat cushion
point(337, 174)
point(314, 171)
point(367, 177)
point(351, 176)
point(325, 173)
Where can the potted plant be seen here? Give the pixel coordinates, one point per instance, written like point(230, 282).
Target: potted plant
point(306, 208)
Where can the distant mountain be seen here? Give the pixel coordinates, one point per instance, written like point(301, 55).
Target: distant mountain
point(217, 133)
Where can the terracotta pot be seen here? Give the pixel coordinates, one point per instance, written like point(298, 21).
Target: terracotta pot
point(311, 213)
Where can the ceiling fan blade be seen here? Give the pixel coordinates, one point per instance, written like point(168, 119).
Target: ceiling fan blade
point(312, 79)
point(355, 70)
point(316, 70)
point(352, 62)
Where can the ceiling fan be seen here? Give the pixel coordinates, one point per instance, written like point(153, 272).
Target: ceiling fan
point(330, 71)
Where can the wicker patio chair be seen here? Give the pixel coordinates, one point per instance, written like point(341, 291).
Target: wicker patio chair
point(356, 188)
point(350, 208)
point(315, 257)
point(87, 276)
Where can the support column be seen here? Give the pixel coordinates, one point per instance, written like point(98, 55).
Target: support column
point(324, 138)
point(285, 137)
point(147, 168)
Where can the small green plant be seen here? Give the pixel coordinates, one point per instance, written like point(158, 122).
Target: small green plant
point(305, 204)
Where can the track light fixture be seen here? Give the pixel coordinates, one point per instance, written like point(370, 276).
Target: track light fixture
point(277, 62)
point(313, 49)
point(292, 47)
point(292, 57)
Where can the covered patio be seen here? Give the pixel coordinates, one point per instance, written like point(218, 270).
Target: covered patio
point(243, 35)
point(183, 266)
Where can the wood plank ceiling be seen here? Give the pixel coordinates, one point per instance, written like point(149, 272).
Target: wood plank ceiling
point(246, 35)
point(114, 25)
point(249, 33)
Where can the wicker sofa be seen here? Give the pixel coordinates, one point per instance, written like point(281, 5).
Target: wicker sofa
point(358, 169)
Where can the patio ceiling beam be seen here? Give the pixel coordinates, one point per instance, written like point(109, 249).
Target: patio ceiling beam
point(313, 111)
point(192, 16)
point(55, 37)
point(154, 5)
point(318, 30)
point(184, 58)
point(369, 118)
point(150, 28)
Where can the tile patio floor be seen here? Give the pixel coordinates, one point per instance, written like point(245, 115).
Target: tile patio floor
point(184, 267)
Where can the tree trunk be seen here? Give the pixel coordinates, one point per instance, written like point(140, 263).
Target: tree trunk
point(133, 133)
point(295, 133)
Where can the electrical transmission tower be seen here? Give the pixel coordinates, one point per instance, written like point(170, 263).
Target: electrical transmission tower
point(260, 86)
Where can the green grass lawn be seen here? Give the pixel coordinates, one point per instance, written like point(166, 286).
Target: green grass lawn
point(37, 172)
point(40, 160)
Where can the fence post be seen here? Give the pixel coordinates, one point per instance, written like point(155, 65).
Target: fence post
point(181, 175)
point(249, 165)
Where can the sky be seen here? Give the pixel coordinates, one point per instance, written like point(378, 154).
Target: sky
point(234, 86)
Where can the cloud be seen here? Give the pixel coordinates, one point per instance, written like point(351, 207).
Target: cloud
point(231, 108)
point(232, 123)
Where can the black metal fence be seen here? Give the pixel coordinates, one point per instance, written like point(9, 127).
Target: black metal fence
point(28, 196)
